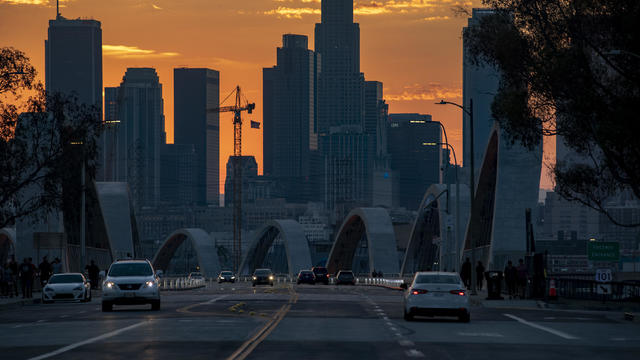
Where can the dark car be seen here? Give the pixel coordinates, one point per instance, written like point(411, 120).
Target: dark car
point(225, 276)
point(321, 274)
point(263, 277)
point(306, 277)
point(345, 277)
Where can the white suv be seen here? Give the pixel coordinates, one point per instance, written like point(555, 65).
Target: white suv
point(130, 282)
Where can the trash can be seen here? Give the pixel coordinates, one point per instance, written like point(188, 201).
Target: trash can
point(494, 284)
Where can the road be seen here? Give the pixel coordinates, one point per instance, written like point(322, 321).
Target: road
point(305, 322)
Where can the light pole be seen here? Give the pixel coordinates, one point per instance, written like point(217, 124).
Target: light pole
point(472, 183)
point(456, 264)
point(82, 211)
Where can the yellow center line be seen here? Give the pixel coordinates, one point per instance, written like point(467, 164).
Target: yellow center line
point(248, 346)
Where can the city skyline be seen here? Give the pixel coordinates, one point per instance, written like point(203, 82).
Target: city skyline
point(393, 39)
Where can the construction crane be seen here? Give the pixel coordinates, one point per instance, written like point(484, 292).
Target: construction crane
point(241, 105)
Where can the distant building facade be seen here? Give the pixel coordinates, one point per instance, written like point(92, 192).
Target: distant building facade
point(179, 174)
point(194, 92)
point(141, 134)
point(415, 157)
point(289, 118)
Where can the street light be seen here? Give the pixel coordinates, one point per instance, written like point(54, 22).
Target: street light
point(472, 184)
point(455, 162)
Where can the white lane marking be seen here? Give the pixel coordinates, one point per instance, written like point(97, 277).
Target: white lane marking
point(385, 317)
point(393, 329)
point(543, 328)
point(214, 300)
point(406, 343)
point(389, 323)
point(41, 321)
point(480, 334)
point(63, 316)
point(88, 341)
point(414, 353)
point(83, 311)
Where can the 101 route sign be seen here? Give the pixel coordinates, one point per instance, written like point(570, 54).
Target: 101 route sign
point(603, 251)
point(604, 275)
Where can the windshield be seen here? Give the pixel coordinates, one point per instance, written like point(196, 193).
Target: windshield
point(130, 269)
point(66, 279)
point(320, 270)
point(346, 274)
point(263, 272)
point(226, 273)
point(437, 279)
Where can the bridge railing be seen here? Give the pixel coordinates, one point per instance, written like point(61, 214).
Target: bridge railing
point(180, 283)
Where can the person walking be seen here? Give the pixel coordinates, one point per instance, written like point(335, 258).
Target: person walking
point(465, 273)
point(13, 265)
point(510, 278)
point(523, 277)
point(45, 271)
point(94, 272)
point(479, 274)
point(56, 266)
point(26, 278)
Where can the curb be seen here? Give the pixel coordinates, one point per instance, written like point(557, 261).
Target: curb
point(184, 289)
point(20, 303)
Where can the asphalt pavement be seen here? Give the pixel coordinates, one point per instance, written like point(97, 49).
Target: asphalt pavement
point(237, 321)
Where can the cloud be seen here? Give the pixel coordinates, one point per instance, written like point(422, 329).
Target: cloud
point(435, 18)
point(431, 91)
point(299, 8)
point(156, 7)
point(46, 3)
point(292, 13)
point(124, 51)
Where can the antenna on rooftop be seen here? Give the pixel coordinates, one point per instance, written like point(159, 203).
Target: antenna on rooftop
point(57, 8)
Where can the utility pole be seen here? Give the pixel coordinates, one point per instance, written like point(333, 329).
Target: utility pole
point(472, 194)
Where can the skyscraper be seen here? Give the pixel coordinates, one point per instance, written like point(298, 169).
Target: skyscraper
point(480, 83)
point(289, 117)
point(195, 91)
point(73, 59)
point(109, 139)
point(414, 159)
point(141, 134)
point(337, 40)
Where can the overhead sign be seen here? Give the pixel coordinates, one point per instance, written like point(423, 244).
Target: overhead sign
point(603, 251)
point(604, 275)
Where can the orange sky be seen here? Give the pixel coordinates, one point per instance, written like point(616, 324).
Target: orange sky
point(412, 46)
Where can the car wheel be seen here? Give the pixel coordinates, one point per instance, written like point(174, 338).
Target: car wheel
point(107, 306)
point(465, 318)
point(155, 306)
point(408, 316)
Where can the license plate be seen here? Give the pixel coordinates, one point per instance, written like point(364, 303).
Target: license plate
point(130, 294)
point(438, 294)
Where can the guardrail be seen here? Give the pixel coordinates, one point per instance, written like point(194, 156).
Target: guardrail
point(181, 283)
point(389, 283)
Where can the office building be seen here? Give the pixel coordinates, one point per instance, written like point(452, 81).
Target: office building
point(179, 174)
point(195, 91)
point(289, 118)
point(415, 157)
point(140, 135)
point(337, 40)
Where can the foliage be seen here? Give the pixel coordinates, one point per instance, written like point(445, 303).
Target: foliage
point(43, 141)
point(569, 68)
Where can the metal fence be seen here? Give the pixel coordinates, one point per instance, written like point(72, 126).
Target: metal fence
point(592, 290)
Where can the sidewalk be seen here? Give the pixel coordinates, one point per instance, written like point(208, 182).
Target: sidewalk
point(8, 303)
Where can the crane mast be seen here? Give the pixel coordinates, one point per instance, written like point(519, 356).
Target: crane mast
point(237, 110)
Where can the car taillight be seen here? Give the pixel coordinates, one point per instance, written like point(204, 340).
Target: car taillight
point(457, 292)
point(327, 275)
point(418, 291)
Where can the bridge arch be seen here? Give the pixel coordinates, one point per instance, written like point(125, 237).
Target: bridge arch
point(295, 243)
point(374, 224)
point(435, 227)
point(7, 244)
point(203, 245)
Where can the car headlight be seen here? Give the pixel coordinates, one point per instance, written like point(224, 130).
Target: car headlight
point(150, 283)
point(255, 278)
point(233, 277)
point(270, 277)
point(109, 284)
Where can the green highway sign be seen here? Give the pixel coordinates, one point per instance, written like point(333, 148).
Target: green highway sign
point(603, 251)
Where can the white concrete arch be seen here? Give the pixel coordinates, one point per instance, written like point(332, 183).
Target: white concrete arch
point(296, 246)
point(203, 245)
point(375, 224)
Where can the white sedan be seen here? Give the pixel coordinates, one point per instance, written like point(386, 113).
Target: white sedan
point(435, 293)
point(69, 286)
